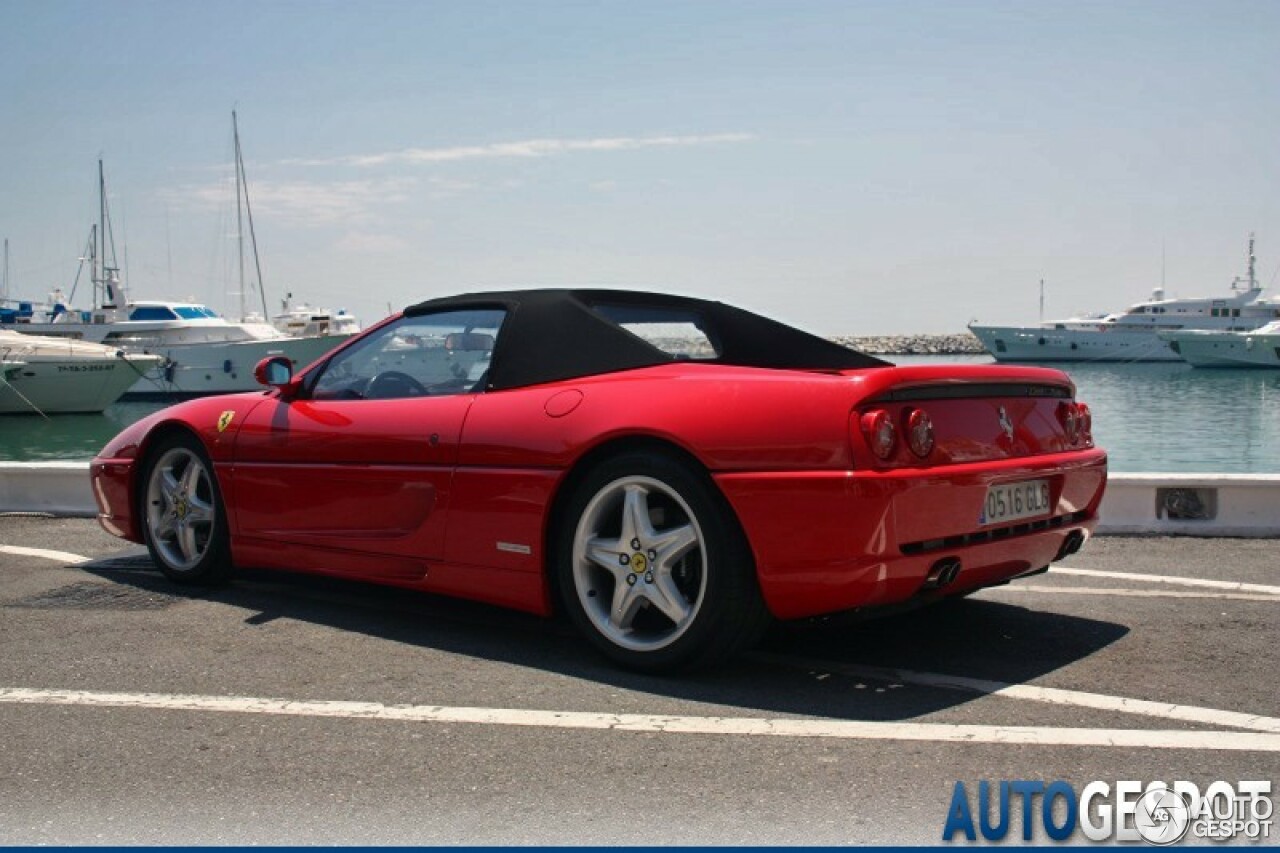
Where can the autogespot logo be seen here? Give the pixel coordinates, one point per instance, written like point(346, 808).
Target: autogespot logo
point(1155, 812)
point(1162, 816)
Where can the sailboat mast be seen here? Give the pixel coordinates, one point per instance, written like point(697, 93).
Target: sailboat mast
point(1253, 279)
point(100, 249)
point(4, 292)
point(235, 134)
point(242, 187)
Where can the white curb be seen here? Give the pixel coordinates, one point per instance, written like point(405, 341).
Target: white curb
point(1178, 504)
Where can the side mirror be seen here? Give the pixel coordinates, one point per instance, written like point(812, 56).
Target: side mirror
point(276, 371)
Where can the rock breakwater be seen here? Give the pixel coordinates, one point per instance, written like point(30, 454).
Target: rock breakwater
point(955, 344)
point(959, 344)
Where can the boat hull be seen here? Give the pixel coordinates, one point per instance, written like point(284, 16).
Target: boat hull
point(196, 370)
point(68, 386)
point(1226, 349)
point(1022, 344)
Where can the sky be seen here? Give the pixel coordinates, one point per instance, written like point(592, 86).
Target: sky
point(849, 167)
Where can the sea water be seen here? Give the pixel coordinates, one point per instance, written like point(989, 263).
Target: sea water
point(1172, 417)
point(1150, 417)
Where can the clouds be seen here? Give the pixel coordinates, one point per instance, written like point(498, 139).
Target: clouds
point(363, 201)
point(522, 149)
point(301, 203)
point(365, 243)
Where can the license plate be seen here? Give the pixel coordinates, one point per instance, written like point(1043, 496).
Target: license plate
point(1013, 501)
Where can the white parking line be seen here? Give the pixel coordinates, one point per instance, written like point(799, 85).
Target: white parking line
point(1234, 586)
point(44, 553)
point(663, 724)
point(1134, 593)
point(1049, 695)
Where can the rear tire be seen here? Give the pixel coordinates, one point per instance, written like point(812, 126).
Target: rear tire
point(653, 568)
point(183, 519)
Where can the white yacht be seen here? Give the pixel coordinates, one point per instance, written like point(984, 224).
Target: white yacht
point(1135, 334)
point(305, 321)
point(1257, 348)
point(198, 351)
point(44, 375)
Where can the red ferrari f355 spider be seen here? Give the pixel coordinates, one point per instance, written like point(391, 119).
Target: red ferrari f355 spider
point(670, 472)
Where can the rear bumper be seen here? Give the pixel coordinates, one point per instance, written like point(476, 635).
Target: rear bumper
point(826, 541)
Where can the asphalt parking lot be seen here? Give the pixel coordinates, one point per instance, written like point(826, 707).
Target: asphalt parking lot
point(283, 709)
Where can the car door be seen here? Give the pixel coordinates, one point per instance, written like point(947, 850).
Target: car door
point(359, 464)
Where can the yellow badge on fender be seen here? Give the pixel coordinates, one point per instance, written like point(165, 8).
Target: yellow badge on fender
point(224, 420)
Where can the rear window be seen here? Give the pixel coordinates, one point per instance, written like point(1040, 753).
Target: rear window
point(677, 332)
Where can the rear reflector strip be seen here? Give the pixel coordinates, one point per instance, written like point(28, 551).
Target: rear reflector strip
point(994, 534)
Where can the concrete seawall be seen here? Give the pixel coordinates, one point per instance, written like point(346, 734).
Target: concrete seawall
point(58, 488)
point(1178, 504)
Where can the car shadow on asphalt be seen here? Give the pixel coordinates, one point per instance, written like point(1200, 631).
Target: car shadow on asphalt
point(825, 668)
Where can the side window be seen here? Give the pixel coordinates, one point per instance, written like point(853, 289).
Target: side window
point(675, 331)
point(431, 355)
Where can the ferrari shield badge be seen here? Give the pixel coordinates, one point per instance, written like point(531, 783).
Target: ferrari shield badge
point(1006, 425)
point(224, 420)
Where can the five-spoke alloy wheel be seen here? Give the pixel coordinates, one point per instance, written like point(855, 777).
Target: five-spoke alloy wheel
point(653, 567)
point(183, 517)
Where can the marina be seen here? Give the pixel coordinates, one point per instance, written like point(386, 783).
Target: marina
point(183, 349)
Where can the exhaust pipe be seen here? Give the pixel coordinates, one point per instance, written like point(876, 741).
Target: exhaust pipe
point(1073, 543)
point(942, 573)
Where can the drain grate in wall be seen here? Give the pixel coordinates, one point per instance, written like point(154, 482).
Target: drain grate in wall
point(89, 595)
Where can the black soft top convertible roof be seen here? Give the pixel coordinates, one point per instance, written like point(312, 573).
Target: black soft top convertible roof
point(550, 335)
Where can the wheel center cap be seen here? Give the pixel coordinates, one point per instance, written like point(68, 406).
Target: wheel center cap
point(180, 508)
point(639, 563)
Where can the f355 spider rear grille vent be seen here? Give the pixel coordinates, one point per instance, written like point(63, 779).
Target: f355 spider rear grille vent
point(994, 534)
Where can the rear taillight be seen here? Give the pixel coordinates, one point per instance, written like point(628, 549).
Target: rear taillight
point(1084, 418)
point(1070, 421)
point(880, 433)
point(1077, 421)
point(920, 433)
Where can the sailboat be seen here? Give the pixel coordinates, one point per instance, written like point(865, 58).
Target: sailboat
point(201, 352)
point(301, 320)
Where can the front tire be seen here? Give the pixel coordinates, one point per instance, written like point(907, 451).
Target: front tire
point(653, 568)
point(183, 519)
